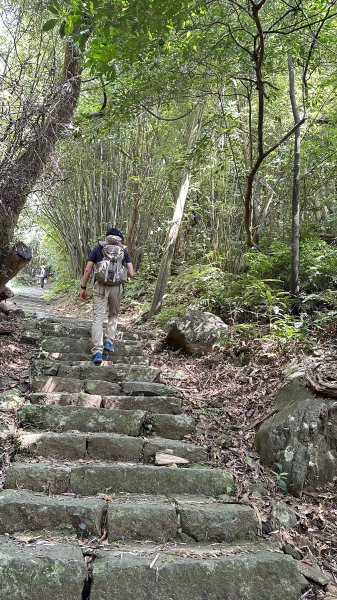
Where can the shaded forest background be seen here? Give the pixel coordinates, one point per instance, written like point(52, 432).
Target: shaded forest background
point(206, 131)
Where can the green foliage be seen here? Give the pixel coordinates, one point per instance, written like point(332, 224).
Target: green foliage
point(246, 297)
point(200, 285)
point(281, 478)
point(274, 263)
point(318, 264)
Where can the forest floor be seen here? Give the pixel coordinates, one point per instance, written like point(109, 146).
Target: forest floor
point(229, 392)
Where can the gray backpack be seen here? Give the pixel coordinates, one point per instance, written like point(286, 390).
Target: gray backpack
point(110, 270)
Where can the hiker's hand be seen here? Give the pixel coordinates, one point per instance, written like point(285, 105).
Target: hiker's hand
point(83, 294)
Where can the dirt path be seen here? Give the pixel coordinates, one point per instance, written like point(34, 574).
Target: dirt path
point(30, 299)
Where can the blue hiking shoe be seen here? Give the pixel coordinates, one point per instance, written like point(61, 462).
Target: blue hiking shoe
point(97, 358)
point(108, 347)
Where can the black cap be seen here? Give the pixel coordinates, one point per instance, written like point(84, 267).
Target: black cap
point(114, 231)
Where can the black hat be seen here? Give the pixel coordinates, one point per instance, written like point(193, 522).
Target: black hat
point(114, 231)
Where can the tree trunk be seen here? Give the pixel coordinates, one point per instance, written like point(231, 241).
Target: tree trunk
point(171, 238)
point(295, 238)
point(18, 180)
point(17, 258)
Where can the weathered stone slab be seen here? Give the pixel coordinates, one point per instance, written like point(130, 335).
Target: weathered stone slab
point(70, 446)
point(70, 418)
point(66, 344)
point(63, 320)
point(71, 358)
point(155, 404)
point(44, 367)
point(136, 388)
point(38, 477)
point(32, 337)
point(66, 399)
point(194, 454)
point(154, 520)
point(114, 447)
point(110, 373)
point(75, 446)
point(283, 515)
point(95, 478)
point(172, 426)
point(313, 573)
point(195, 332)
point(11, 400)
point(258, 576)
point(102, 388)
point(83, 345)
point(80, 322)
point(46, 571)
point(217, 522)
point(300, 437)
point(64, 329)
point(57, 384)
point(26, 511)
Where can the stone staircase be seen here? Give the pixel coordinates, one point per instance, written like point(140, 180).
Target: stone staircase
point(85, 514)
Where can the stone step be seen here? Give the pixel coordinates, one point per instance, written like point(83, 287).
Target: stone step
point(76, 327)
point(207, 573)
point(100, 387)
point(83, 345)
point(87, 370)
point(71, 321)
point(128, 422)
point(84, 446)
point(77, 418)
point(146, 388)
point(194, 454)
point(104, 446)
point(152, 572)
point(153, 518)
point(94, 478)
point(67, 399)
point(154, 404)
point(59, 330)
point(175, 427)
point(70, 358)
point(42, 571)
point(75, 386)
point(22, 510)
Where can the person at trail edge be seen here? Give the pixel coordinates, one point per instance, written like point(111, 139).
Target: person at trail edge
point(43, 275)
point(107, 290)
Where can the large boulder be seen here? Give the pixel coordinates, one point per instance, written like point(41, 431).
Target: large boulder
point(195, 332)
point(301, 438)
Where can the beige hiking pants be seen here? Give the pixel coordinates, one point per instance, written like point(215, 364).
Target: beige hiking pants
point(106, 299)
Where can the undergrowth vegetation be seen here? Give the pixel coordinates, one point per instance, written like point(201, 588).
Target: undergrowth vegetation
point(254, 303)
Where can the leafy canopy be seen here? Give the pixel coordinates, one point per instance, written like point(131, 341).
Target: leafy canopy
point(109, 31)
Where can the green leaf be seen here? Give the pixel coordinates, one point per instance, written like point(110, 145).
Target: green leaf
point(62, 29)
point(49, 24)
point(55, 8)
point(282, 485)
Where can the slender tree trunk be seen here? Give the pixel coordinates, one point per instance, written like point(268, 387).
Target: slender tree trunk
point(173, 232)
point(17, 182)
point(295, 237)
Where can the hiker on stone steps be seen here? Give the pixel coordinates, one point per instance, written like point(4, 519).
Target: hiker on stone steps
point(112, 267)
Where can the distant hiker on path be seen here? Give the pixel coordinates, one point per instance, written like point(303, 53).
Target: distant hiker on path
point(43, 275)
point(112, 268)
